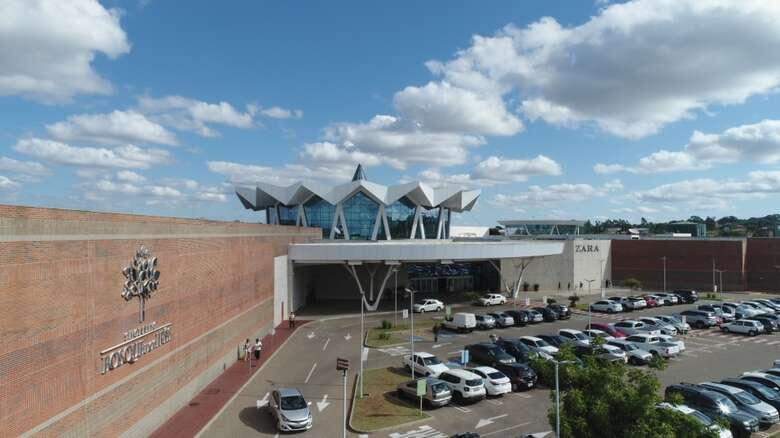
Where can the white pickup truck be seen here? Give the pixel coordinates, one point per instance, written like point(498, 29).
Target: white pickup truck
point(654, 344)
point(425, 364)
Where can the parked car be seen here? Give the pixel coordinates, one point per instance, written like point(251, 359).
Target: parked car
point(672, 340)
point(521, 375)
point(699, 318)
point(491, 300)
point(437, 392)
point(715, 405)
point(741, 310)
point(427, 305)
point(706, 421)
point(574, 337)
point(425, 364)
point(682, 327)
point(656, 324)
point(496, 383)
point(606, 306)
point(461, 322)
point(762, 378)
point(503, 320)
point(520, 351)
point(773, 371)
point(561, 310)
point(635, 355)
point(766, 414)
point(554, 340)
point(592, 334)
point(638, 303)
point(627, 304)
point(688, 296)
point(725, 316)
point(606, 352)
point(630, 326)
point(653, 344)
point(769, 323)
point(744, 326)
point(768, 303)
point(762, 309)
point(488, 354)
point(651, 300)
point(534, 316)
point(765, 393)
point(539, 345)
point(464, 385)
point(608, 328)
point(547, 314)
point(485, 322)
point(670, 299)
point(290, 410)
point(520, 317)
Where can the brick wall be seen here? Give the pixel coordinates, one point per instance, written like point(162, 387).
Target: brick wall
point(762, 264)
point(60, 305)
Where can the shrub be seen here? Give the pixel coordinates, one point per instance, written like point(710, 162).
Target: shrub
point(386, 325)
point(632, 283)
point(657, 362)
point(471, 296)
point(551, 301)
point(573, 299)
point(536, 287)
point(526, 286)
point(384, 336)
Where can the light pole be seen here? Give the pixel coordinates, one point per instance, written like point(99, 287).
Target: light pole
point(558, 398)
point(362, 331)
point(410, 291)
point(664, 259)
point(589, 309)
point(603, 282)
point(720, 276)
point(395, 296)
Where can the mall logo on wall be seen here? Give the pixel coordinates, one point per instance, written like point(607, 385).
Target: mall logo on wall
point(586, 248)
point(141, 279)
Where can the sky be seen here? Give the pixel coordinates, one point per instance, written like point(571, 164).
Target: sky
point(659, 109)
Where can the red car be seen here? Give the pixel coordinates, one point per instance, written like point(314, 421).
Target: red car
point(651, 302)
point(610, 330)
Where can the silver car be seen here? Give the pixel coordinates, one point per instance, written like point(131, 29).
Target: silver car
point(682, 327)
point(437, 392)
point(636, 356)
point(290, 410)
point(766, 414)
point(657, 324)
point(502, 320)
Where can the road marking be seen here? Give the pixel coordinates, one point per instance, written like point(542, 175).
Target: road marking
point(263, 401)
point(326, 344)
point(348, 337)
point(760, 341)
point(441, 345)
point(486, 421)
point(323, 404)
point(310, 372)
point(524, 396)
point(395, 351)
point(773, 343)
point(461, 408)
point(510, 428)
point(686, 354)
point(421, 432)
point(310, 335)
point(495, 402)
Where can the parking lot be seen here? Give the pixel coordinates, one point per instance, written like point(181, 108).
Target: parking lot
point(308, 363)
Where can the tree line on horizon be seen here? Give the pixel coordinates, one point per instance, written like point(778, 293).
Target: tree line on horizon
point(727, 226)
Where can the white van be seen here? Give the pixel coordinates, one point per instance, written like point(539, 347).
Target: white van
point(461, 322)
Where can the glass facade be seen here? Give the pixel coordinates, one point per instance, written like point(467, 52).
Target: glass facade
point(360, 212)
point(430, 220)
point(288, 215)
point(400, 217)
point(270, 215)
point(319, 213)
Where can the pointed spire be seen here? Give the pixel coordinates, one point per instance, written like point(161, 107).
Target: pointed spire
point(359, 174)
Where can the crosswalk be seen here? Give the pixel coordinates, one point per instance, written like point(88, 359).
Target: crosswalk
point(421, 432)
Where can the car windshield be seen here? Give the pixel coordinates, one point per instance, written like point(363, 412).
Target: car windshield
point(473, 382)
point(727, 405)
point(437, 388)
point(747, 398)
point(769, 393)
point(703, 419)
point(421, 301)
point(629, 347)
point(542, 343)
point(293, 403)
point(496, 375)
point(431, 360)
point(580, 336)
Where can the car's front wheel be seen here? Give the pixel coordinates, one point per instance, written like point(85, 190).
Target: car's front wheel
point(422, 310)
point(439, 309)
point(753, 333)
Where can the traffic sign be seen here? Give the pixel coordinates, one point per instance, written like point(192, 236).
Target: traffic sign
point(342, 364)
point(420, 387)
point(448, 312)
point(405, 314)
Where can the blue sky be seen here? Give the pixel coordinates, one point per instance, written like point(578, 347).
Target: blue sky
point(555, 109)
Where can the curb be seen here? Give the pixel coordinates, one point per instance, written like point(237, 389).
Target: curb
point(356, 430)
point(241, 389)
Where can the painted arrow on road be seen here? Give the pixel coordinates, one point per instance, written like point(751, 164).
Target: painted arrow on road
point(263, 401)
point(310, 335)
point(323, 404)
point(484, 422)
point(348, 337)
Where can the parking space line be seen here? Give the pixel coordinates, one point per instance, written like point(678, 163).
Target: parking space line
point(311, 371)
point(326, 344)
point(773, 343)
point(759, 341)
point(505, 429)
point(460, 408)
point(495, 402)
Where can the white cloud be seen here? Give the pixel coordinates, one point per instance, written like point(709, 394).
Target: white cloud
point(757, 184)
point(117, 127)
point(554, 194)
point(153, 191)
point(502, 169)
point(193, 115)
point(130, 177)
point(211, 194)
point(22, 167)
point(759, 142)
point(276, 112)
point(328, 152)
point(632, 68)
point(249, 174)
point(128, 156)
point(7, 183)
point(47, 47)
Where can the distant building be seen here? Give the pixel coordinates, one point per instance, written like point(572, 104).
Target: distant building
point(692, 228)
point(468, 231)
point(542, 227)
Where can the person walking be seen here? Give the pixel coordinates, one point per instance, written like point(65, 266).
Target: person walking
point(247, 349)
point(257, 348)
point(292, 320)
point(436, 329)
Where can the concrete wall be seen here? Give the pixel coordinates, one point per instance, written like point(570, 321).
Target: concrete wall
point(60, 305)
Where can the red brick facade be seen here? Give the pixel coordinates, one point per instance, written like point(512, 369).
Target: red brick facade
point(60, 305)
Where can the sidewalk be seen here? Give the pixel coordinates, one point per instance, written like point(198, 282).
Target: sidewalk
point(193, 417)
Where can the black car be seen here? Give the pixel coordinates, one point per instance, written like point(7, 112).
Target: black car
point(554, 340)
point(521, 375)
point(766, 380)
point(513, 347)
point(488, 354)
point(562, 311)
point(767, 394)
point(687, 296)
point(548, 314)
point(715, 405)
point(520, 317)
point(770, 324)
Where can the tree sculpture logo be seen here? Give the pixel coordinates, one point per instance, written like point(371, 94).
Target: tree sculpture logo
point(142, 279)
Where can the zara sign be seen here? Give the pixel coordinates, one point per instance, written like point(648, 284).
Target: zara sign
point(586, 248)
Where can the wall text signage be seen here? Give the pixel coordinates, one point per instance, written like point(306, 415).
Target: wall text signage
point(137, 343)
point(586, 248)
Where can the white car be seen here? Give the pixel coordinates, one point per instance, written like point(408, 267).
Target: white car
point(672, 340)
point(594, 333)
point(575, 337)
point(631, 327)
point(464, 385)
point(657, 324)
point(744, 326)
point(708, 422)
point(638, 302)
point(496, 383)
point(634, 354)
point(428, 305)
point(671, 298)
point(682, 327)
point(653, 344)
point(491, 300)
point(606, 306)
point(539, 345)
point(425, 364)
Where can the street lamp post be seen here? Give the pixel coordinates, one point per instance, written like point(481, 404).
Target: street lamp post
point(410, 291)
point(664, 259)
point(362, 331)
point(395, 298)
point(720, 277)
point(603, 282)
point(589, 308)
point(558, 398)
